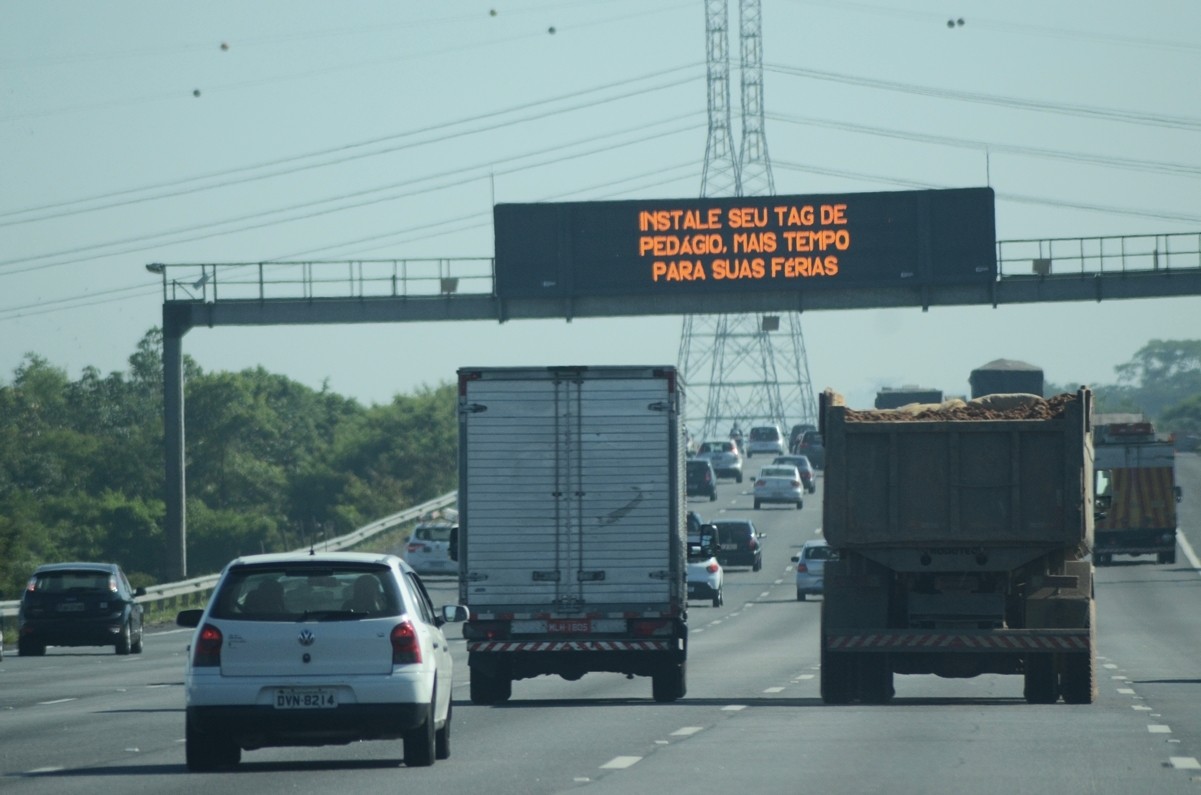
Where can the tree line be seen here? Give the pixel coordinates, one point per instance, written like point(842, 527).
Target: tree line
point(271, 464)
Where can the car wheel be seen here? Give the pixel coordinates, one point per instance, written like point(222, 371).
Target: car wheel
point(30, 648)
point(442, 736)
point(419, 743)
point(756, 505)
point(712, 496)
point(136, 648)
point(758, 566)
point(800, 595)
point(800, 504)
point(739, 478)
point(718, 598)
point(123, 640)
point(204, 751)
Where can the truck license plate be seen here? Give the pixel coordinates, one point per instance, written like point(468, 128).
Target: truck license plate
point(297, 698)
point(569, 625)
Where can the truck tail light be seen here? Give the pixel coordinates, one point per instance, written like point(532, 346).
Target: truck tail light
point(646, 627)
point(406, 646)
point(486, 630)
point(206, 652)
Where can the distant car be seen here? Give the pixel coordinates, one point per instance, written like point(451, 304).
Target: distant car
point(79, 604)
point(428, 549)
point(797, 432)
point(705, 576)
point(1, 644)
point(701, 479)
point(810, 445)
point(317, 649)
point(808, 476)
point(810, 568)
point(777, 484)
point(765, 439)
point(724, 456)
point(739, 544)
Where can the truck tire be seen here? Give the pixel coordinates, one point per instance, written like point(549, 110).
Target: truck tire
point(670, 683)
point(875, 679)
point(1078, 682)
point(837, 677)
point(1167, 557)
point(487, 689)
point(1041, 682)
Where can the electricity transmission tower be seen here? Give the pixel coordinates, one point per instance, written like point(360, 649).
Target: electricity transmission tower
point(731, 362)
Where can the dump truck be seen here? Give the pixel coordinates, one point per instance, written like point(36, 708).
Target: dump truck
point(1135, 489)
point(962, 533)
point(572, 536)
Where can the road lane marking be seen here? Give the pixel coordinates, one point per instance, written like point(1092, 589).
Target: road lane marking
point(621, 762)
point(1126, 691)
point(1140, 707)
point(774, 690)
point(733, 708)
point(1159, 728)
point(803, 677)
point(57, 701)
point(1185, 763)
point(687, 731)
point(1117, 678)
point(1110, 665)
point(1189, 552)
point(765, 594)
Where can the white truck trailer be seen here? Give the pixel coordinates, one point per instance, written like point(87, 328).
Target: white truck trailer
point(572, 525)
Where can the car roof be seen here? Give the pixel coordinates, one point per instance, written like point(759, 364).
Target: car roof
point(271, 558)
point(48, 567)
point(817, 542)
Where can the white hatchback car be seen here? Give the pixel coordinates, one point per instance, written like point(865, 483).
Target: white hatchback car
point(706, 578)
point(317, 649)
point(811, 568)
point(765, 439)
point(779, 483)
point(428, 549)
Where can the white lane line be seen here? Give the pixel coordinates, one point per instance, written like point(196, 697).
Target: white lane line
point(1111, 666)
point(1126, 691)
point(1185, 763)
point(57, 701)
point(1189, 552)
point(621, 762)
point(777, 582)
point(1159, 728)
point(1140, 707)
point(765, 594)
point(1118, 678)
point(687, 731)
point(733, 708)
point(774, 690)
point(802, 677)
point(40, 770)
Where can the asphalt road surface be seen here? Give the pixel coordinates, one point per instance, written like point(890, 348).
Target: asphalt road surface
point(87, 720)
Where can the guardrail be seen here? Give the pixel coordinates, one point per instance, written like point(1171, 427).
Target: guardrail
point(178, 595)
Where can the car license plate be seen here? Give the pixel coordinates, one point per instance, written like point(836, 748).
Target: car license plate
point(297, 698)
point(71, 607)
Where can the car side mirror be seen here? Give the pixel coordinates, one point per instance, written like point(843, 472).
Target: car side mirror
point(795, 558)
point(455, 613)
point(139, 591)
point(189, 618)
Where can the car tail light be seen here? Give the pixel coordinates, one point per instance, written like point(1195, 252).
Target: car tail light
point(760, 483)
point(206, 652)
point(406, 646)
point(802, 568)
point(712, 568)
point(416, 547)
point(796, 484)
point(754, 544)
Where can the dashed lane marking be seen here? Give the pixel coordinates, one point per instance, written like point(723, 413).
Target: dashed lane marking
point(687, 731)
point(621, 762)
point(1126, 691)
point(57, 701)
point(1159, 728)
point(1185, 763)
point(774, 690)
point(733, 708)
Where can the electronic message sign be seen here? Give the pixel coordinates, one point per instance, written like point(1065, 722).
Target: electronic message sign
point(898, 238)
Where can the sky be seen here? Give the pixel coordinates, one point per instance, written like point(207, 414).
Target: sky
point(219, 132)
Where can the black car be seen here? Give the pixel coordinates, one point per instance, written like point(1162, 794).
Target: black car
point(79, 604)
point(701, 480)
point(740, 544)
point(810, 445)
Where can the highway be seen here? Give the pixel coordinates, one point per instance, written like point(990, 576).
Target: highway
point(86, 720)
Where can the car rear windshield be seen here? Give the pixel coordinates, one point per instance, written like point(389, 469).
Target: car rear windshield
point(779, 472)
point(432, 533)
point(764, 434)
point(313, 592)
point(728, 532)
point(74, 581)
point(819, 553)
